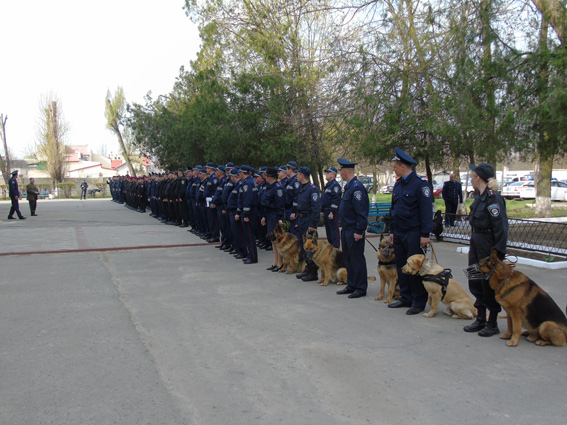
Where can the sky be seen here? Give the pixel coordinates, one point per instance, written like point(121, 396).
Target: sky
point(77, 51)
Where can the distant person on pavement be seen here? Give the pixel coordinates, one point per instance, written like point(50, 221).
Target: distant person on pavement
point(453, 196)
point(33, 193)
point(84, 187)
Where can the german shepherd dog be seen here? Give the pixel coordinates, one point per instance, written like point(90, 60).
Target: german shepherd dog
point(328, 258)
point(387, 270)
point(459, 303)
point(526, 305)
point(289, 248)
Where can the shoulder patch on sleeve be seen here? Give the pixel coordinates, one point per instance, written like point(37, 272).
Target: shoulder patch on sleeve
point(336, 189)
point(358, 195)
point(426, 191)
point(315, 196)
point(494, 210)
point(297, 185)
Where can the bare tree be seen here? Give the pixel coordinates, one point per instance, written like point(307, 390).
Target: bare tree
point(556, 14)
point(114, 112)
point(5, 163)
point(51, 133)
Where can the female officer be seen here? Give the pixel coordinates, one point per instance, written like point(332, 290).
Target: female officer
point(489, 225)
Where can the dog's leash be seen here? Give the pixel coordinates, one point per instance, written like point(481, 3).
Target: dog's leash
point(370, 244)
point(433, 255)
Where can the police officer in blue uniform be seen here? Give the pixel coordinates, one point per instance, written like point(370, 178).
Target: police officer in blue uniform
point(219, 205)
point(225, 214)
point(452, 195)
point(330, 201)
point(272, 207)
point(353, 213)
point(247, 203)
point(238, 248)
point(308, 212)
point(210, 189)
point(410, 227)
point(489, 224)
point(14, 194)
point(292, 187)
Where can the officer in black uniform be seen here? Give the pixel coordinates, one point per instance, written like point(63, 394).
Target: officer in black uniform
point(353, 213)
point(489, 224)
point(292, 187)
point(410, 228)
point(308, 212)
point(452, 195)
point(14, 194)
point(247, 204)
point(330, 201)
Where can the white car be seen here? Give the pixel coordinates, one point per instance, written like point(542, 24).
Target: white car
point(558, 191)
point(513, 190)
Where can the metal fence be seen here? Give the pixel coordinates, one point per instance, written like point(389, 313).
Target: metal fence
point(531, 235)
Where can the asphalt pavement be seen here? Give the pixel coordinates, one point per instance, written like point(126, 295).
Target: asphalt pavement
point(109, 317)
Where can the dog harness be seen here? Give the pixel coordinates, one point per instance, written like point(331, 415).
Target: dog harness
point(441, 278)
point(386, 263)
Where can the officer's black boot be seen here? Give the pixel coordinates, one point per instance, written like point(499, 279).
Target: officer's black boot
point(479, 323)
point(491, 327)
point(300, 275)
point(311, 274)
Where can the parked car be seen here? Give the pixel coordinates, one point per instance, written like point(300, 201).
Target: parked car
point(366, 182)
point(438, 190)
point(389, 188)
point(512, 191)
point(558, 191)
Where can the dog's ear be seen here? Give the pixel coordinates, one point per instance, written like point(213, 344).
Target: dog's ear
point(304, 238)
point(381, 236)
point(493, 256)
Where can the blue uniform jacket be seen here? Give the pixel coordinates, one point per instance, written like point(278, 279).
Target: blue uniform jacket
point(227, 188)
point(291, 193)
point(273, 201)
point(453, 192)
point(354, 207)
point(331, 196)
point(211, 184)
point(217, 198)
point(411, 206)
point(247, 196)
point(13, 190)
point(309, 203)
point(232, 200)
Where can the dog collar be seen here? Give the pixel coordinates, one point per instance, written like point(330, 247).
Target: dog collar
point(386, 263)
point(282, 237)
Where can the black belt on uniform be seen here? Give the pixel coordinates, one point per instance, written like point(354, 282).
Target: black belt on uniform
point(302, 215)
point(326, 208)
point(477, 230)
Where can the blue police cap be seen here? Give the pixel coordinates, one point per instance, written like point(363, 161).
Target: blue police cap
point(14, 172)
point(292, 165)
point(189, 168)
point(282, 168)
point(229, 165)
point(235, 171)
point(331, 170)
point(221, 168)
point(404, 157)
point(483, 170)
point(306, 171)
point(345, 163)
point(263, 169)
point(272, 172)
point(211, 165)
point(257, 173)
point(246, 169)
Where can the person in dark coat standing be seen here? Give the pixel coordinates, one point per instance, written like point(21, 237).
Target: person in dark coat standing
point(489, 224)
point(330, 201)
point(410, 228)
point(353, 213)
point(84, 187)
point(32, 194)
point(453, 196)
point(14, 194)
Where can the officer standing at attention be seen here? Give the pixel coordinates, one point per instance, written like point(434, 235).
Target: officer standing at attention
point(247, 202)
point(353, 213)
point(291, 191)
point(14, 194)
point(452, 195)
point(410, 227)
point(308, 212)
point(330, 201)
point(489, 224)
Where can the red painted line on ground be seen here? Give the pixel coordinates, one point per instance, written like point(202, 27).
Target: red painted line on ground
point(121, 248)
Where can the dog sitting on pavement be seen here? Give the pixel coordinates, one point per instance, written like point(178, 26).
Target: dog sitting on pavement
point(526, 303)
point(387, 270)
point(441, 287)
point(328, 258)
point(288, 246)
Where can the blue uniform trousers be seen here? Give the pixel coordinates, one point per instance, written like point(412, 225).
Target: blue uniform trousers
point(450, 213)
point(224, 226)
point(412, 290)
point(332, 229)
point(212, 217)
point(237, 237)
point(249, 235)
point(355, 261)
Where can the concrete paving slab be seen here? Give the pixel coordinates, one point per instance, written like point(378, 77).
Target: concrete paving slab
point(187, 334)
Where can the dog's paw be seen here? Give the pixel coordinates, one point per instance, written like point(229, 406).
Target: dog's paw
point(388, 300)
point(512, 343)
point(506, 335)
point(324, 283)
point(430, 314)
point(380, 296)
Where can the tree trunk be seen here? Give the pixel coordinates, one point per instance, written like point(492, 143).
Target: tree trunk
point(542, 183)
point(6, 162)
point(555, 13)
point(124, 153)
point(490, 139)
